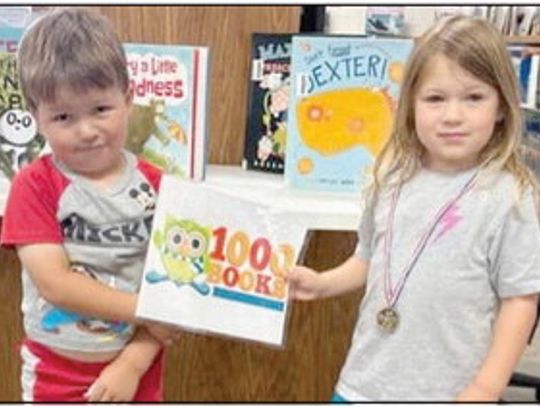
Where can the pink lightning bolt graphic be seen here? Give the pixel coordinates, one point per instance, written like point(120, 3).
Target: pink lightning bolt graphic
point(450, 219)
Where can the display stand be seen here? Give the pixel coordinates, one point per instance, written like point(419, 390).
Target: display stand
point(317, 210)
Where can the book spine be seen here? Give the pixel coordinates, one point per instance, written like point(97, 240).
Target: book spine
point(198, 145)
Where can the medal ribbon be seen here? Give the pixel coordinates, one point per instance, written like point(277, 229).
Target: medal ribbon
point(392, 294)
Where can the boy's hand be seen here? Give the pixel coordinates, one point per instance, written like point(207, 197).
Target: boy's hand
point(305, 283)
point(165, 334)
point(118, 382)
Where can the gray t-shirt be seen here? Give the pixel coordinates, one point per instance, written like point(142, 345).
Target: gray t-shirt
point(486, 248)
point(104, 233)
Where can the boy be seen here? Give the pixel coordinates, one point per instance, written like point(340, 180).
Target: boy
point(78, 223)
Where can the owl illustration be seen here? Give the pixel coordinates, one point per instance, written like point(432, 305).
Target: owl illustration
point(183, 248)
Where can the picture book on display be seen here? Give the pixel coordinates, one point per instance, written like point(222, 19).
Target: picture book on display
point(168, 123)
point(269, 86)
point(16, 17)
point(343, 96)
point(216, 263)
point(9, 38)
point(20, 142)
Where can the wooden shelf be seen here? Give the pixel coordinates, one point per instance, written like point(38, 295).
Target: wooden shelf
point(524, 39)
point(529, 108)
point(317, 210)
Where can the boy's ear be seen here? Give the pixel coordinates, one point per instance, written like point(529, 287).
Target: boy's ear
point(33, 112)
point(129, 98)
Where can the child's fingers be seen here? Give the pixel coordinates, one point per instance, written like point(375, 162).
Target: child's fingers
point(293, 275)
point(167, 335)
point(94, 392)
point(293, 293)
point(106, 397)
point(163, 333)
point(297, 291)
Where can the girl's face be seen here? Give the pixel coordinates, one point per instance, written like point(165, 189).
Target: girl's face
point(455, 114)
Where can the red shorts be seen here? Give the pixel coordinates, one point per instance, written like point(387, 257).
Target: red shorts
point(47, 376)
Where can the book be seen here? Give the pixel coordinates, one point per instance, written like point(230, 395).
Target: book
point(13, 20)
point(385, 20)
point(529, 79)
point(500, 17)
point(9, 38)
point(15, 16)
point(216, 263)
point(168, 123)
point(526, 66)
point(268, 99)
point(530, 146)
point(418, 19)
point(535, 24)
point(521, 20)
point(345, 20)
point(20, 142)
point(343, 97)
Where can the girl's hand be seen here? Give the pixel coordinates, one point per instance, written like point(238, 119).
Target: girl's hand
point(118, 382)
point(165, 334)
point(305, 283)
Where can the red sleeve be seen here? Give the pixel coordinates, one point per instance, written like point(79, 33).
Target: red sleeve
point(151, 172)
point(32, 204)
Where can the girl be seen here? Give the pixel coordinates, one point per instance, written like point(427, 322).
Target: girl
point(449, 241)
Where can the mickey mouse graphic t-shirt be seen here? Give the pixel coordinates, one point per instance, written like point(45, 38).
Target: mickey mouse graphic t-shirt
point(105, 234)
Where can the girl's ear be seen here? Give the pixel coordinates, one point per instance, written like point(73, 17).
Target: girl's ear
point(500, 117)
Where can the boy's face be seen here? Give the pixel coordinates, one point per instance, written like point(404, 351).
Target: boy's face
point(87, 130)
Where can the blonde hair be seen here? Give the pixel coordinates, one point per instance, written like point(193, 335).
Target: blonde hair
point(478, 48)
point(72, 47)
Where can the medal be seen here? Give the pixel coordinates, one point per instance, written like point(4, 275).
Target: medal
point(388, 317)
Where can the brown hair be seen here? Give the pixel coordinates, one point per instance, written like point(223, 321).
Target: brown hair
point(72, 47)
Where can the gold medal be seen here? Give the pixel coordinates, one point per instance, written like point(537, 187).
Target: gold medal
point(388, 319)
